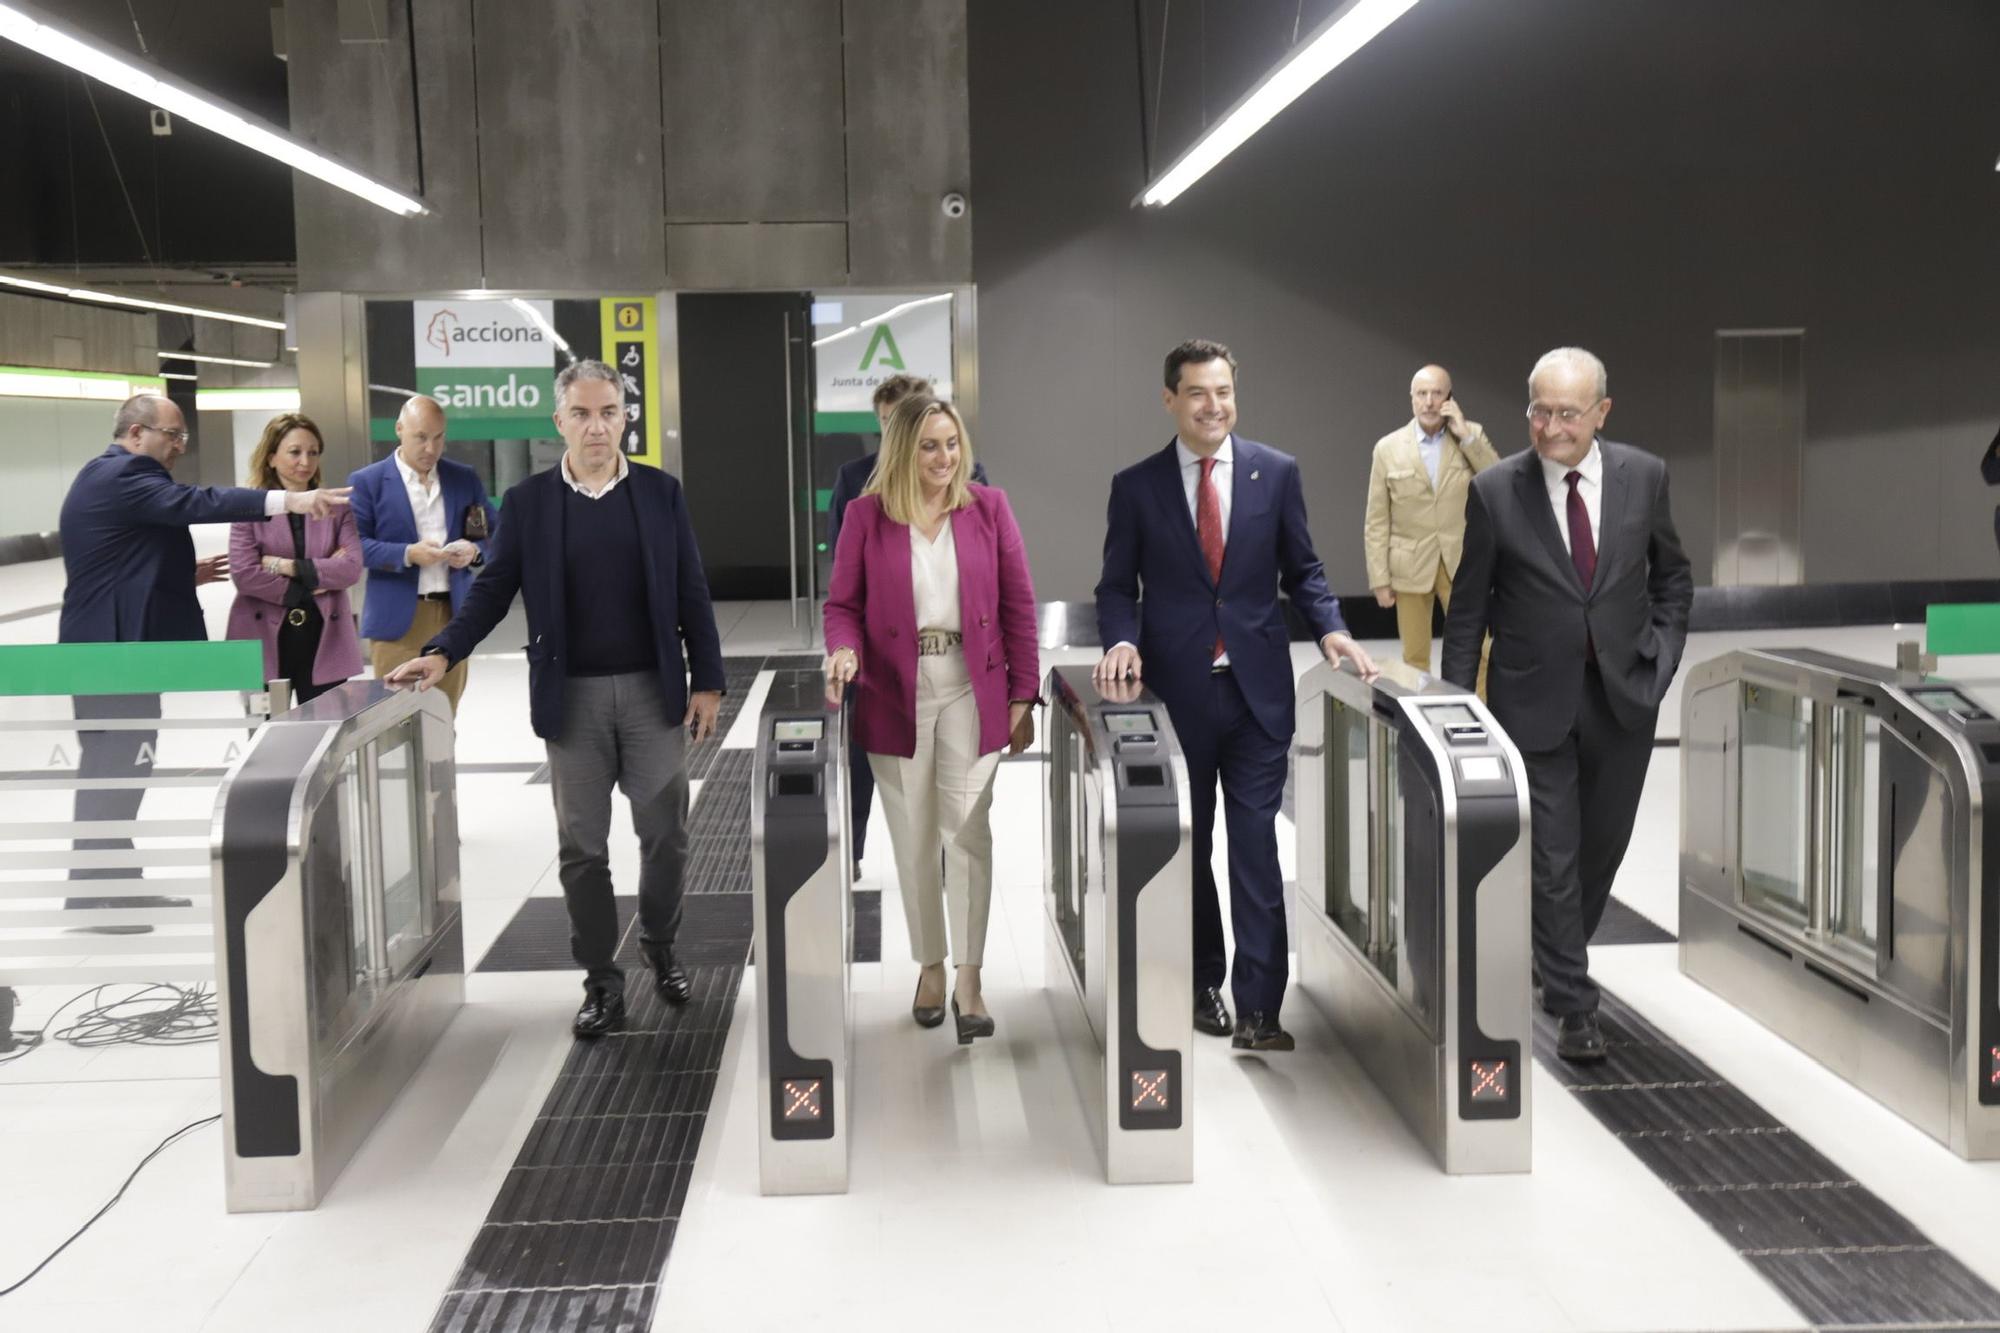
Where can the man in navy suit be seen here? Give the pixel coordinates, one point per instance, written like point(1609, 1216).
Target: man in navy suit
point(848, 483)
point(132, 575)
point(602, 553)
point(424, 524)
point(1199, 538)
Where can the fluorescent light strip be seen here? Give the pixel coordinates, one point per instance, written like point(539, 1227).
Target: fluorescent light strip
point(1350, 28)
point(872, 321)
point(177, 375)
point(548, 329)
point(213, 360)
point(65, 45)
point(142, 303)
point(246, 400)
point(29, 382)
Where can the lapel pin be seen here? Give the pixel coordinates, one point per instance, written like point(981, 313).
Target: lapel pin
point(1253, 476)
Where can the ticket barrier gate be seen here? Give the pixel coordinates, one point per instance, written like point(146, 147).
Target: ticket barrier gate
point(339, 955)
point(1413, 905)
point(1840, 874)
point(1120, 925)
point(801, 875)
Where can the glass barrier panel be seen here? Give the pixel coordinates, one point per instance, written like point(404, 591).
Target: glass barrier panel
point(1856, 814)
point(1775, 780)
point(1069, 825)
point(1418, 892)
point(406, 888)
point(1387, 820)
point(336, 980)
point(1347, 820)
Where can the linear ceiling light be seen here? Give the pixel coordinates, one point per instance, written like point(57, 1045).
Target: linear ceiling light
point(213, 360)
point(34, 382)
point(177, 375)
point(108, 65)
point(873, 320)
point(548, 329)
point(1350, 28)
point(140, 302)
point(246, 400)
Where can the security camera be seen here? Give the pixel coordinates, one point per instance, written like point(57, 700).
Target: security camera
point(952, 205)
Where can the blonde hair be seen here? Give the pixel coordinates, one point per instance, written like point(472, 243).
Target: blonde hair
point(263, 476)
point(897, 477)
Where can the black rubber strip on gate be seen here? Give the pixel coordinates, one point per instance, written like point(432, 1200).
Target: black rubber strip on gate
point(1840, 1254)
point(579, 1235)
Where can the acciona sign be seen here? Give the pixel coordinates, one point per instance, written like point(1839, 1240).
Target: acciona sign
point(487, 361)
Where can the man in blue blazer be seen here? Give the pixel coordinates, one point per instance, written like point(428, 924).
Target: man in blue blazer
point(131, 579)
point(1199, 539)
point(424, 523)
point(848, 483)
point(604, 557)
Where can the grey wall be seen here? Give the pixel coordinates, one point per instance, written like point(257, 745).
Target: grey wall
point(637, 144)
point(1484, 182)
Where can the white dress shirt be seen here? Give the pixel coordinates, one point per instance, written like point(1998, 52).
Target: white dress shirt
point(569, 479)
point(1591, 487)
point(934, 578)
point(427, 503)
point(1431, 448)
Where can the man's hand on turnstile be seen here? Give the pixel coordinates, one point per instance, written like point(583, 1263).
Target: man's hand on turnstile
point(703, 705)
point(424, 672)
point(1120, 663)
point(841, 666)
point(1337, 646)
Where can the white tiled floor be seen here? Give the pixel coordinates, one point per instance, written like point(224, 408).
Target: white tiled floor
point(977, 1198)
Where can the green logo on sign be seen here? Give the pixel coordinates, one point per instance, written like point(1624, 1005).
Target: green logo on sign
point(891, 354)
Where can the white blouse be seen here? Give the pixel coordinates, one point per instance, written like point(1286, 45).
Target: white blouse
point(934, 578)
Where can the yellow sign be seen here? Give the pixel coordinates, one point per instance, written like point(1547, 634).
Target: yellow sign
point(633, 350)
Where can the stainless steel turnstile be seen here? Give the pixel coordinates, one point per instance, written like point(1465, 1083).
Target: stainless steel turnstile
point(1840, 877)
point(339, 958)
point(1413, 904)
point(801, 875)
point(1120, 937)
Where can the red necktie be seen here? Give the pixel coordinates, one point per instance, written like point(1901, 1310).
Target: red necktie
point(1208, 528)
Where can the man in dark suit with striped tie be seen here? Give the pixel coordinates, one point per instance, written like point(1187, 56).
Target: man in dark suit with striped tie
point(1200, 537)
point(1573, 565)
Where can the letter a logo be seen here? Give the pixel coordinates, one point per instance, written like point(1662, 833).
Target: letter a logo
point(886, 341)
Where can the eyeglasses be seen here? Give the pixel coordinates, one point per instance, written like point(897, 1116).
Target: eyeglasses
point(1568, 416)
point(177, 436)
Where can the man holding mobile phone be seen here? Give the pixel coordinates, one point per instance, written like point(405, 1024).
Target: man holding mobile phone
point(1414, 529)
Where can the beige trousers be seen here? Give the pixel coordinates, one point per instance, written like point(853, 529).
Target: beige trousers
point(941, 797)
point(1413, 625)
point(385, 655)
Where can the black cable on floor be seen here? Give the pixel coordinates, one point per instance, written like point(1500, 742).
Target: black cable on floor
point(156, 1014)
point(165, 1143)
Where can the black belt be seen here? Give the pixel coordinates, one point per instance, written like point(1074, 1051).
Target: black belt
point(433, 596)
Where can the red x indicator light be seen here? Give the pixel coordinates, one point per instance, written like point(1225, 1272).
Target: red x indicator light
point(802, 1100)
point(1489, 1080)
point(1149, 1090)
point(1993, 1066)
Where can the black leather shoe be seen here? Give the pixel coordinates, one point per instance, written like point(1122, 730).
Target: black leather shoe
point(970, 1025)
point(670, 979)
point(1211, 1015)
point(1578, 1039)
point(1260, 1032)
point(601, 1013)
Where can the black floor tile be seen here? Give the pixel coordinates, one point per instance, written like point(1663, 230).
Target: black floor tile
point(561, 1254)
point(1772, 1160)
point(1909, 1289)
point(620, 1193)
point(867, 926)
point(662, 1050)
point(1804, 1219)
point(715, 928)
point(537, 939)
point(1622, 925)
point(640, 1140)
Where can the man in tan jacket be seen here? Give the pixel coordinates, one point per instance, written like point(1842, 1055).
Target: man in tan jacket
point(1415, 525)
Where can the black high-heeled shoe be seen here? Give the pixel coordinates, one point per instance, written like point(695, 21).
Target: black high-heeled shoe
point(927, 1015)
point(970, 1026)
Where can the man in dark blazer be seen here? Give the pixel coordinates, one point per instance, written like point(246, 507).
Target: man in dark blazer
point(1572, 564)
point(1199, 539)
point(603, 555)
point(131, 579)
point(849, 482)
point(424, 524)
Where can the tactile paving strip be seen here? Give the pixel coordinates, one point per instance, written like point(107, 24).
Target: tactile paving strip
point(580, 1232)
point(1832, 1247)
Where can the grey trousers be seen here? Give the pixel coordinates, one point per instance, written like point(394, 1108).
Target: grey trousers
point(616, 732)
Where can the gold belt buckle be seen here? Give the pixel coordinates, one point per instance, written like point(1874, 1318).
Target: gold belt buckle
point(295, 617)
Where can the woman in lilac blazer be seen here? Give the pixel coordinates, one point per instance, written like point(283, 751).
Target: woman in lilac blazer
point(292, 573)
point(931, 621)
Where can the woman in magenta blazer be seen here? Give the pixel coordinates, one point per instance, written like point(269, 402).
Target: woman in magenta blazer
point(292, 573)
point(931, 619)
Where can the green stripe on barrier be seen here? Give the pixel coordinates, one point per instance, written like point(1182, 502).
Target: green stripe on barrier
point(131, 668)
point(846, 423)
point(1962, 628)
